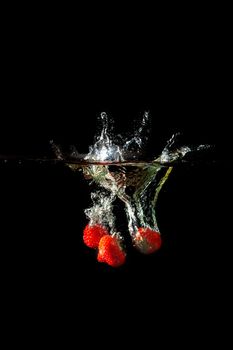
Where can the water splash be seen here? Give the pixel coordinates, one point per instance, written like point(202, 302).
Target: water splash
point(109, 147)
point(104, 148)
point(112, 165)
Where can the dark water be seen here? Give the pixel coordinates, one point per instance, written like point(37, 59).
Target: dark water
point(42, 220)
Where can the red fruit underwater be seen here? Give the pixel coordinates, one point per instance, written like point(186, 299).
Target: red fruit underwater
point(147, 240)
point(93, 234)
point(110, 251)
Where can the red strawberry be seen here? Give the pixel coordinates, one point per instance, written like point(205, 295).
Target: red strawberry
point(110, 251)
point(93, 234)
point(147, 240)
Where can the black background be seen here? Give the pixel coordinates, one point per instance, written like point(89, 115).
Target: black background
point(55, 85)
